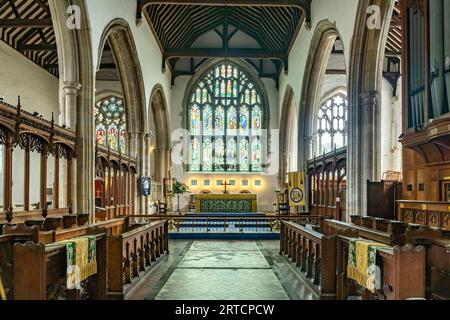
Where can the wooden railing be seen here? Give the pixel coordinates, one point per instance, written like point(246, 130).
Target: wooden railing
point(40, 272)
point(426, 213)
point(132, 253)
point(314, 254)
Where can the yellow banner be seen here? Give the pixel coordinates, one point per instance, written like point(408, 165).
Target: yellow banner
point(297, 195)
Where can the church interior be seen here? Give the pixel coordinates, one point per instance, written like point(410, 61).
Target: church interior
point(224, 150)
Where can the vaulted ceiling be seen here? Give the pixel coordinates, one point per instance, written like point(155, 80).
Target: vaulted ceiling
point(190, 33)
point(26, 26)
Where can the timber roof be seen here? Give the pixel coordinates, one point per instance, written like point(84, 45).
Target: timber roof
point(26, 26)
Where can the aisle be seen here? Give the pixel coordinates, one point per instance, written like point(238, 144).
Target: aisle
point(222, 270)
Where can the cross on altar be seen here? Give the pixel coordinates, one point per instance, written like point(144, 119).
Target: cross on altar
point(225, 184)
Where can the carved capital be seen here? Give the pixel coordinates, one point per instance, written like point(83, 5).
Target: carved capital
point(71, 88)
point(369, 100)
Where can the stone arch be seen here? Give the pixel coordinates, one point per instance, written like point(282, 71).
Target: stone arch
point(121, 41)
point(366, 66)
point(287, 132)
point(120, 38)
point(77, 77)
point(161, 118)
point(322, 42)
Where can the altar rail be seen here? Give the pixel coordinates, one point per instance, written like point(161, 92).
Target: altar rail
point(205, 223)
point(314, 254)
point(427, 213)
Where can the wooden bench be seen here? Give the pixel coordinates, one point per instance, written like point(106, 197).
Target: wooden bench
point(130, 254)
point(333, 227)
point(40, 271)
point(402, 271)
point(6, 253)
point(314, 254)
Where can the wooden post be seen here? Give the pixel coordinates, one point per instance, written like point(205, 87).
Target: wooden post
point(69, 183)
point(56, 184)
point(26, 184)
point(43, 190)
point(7, 180)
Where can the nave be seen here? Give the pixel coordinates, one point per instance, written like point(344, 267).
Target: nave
point(242, 149)
point(254, 267)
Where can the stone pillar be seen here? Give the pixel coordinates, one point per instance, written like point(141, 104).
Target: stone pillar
point(68, 110)
point(146, 165)
point(363, 155)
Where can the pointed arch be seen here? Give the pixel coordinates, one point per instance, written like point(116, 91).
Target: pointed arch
point(288, 121)
point(322, 43)
point(365, 74)
point(119, 36)
point(121, 41)
point(161, 118)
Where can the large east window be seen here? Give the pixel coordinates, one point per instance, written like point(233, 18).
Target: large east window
point(226, 122)
point(110, 123)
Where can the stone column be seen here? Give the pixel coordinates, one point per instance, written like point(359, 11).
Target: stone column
point(146, 165)
point(363, 155)
point(68, 111)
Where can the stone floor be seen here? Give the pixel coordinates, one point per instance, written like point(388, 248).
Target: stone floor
point(222, 270)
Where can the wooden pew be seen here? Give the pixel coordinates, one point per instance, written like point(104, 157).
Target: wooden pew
point(6, 255)
point(402, 271)
point(131, 253)
point(70, 221)
point(314, 254)
point(83, 219)
point(332, 227)
point(21, 230)
point(440, 284)
point(40, 271)
point(53, 223)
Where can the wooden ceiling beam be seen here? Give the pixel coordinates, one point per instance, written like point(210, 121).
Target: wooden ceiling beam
point(36, 47)
point(305, 5)
point(26, 23)
point(221, 53)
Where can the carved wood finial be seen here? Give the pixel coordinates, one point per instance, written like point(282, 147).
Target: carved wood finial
point(45, 211)
point(19, 106)
point(9, 214)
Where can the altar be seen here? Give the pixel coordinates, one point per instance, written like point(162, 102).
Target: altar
point(226, 203)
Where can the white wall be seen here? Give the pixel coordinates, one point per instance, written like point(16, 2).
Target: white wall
point(149, 53)
point(266, 193)
point(391, 128)
point(343, 14)
point(38, 90)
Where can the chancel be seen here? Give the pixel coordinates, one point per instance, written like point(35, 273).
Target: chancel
point(224, 150)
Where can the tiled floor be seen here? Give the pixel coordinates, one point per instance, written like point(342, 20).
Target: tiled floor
point(222, 270)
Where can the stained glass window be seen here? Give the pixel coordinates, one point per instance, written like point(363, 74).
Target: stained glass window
point(331, 130)
point(110, 123)
point(226, 122)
